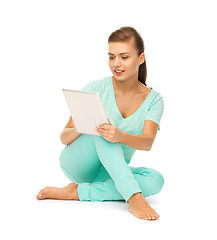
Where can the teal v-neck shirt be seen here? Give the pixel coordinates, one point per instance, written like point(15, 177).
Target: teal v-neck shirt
point(151, 109)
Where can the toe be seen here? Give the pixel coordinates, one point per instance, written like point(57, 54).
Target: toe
point(154, 216)
point(40, 194)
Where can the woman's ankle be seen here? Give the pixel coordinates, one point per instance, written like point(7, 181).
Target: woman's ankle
point(134, 197)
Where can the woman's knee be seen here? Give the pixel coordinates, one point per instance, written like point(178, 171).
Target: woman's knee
point(81, 148)
point(150, 180)
point(79, 160)
point(158, 181)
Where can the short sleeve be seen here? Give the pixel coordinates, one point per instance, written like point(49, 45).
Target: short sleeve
point(93, 86)
point(156, 109)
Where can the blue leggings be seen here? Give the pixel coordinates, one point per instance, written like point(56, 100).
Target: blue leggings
point(101, 172)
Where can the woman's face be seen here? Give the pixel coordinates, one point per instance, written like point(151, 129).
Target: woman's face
point(124, 60)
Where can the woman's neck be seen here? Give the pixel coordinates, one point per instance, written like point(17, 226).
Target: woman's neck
point(126, 86)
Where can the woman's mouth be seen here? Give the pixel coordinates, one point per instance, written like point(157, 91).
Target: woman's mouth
point(119, 72)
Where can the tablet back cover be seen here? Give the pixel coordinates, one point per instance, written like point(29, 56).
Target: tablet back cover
point(86, 109)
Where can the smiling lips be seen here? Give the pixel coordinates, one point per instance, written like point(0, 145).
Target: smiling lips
point(119, 72)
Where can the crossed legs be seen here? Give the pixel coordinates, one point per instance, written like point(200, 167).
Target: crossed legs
point(99, 172)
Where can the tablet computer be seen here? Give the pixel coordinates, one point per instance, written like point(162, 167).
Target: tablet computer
point(86, 109)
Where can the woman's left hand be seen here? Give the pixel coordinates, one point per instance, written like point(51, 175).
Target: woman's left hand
point(110, 132)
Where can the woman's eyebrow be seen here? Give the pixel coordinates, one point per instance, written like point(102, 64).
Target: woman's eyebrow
point(120, 53)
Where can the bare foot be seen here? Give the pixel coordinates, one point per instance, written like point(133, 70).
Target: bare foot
point(140, 208)
point(68, 192)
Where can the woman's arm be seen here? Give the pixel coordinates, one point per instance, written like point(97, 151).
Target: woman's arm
point(138, 142)
point(112, 134)
point(69, 133)
point(144, 141)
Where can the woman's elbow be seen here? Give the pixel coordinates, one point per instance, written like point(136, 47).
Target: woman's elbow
point(63, 140)
point(147, 148)
point(150, 144)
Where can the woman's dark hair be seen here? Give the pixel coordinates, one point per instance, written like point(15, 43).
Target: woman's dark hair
point(124, 34)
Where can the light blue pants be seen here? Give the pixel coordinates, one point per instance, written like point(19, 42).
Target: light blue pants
point(101, 172)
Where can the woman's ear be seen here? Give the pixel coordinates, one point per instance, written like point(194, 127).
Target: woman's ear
point(141, 58)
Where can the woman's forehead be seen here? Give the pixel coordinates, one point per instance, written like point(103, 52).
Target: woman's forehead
point(121, 47)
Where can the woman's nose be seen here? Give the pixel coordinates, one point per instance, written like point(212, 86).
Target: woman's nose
point(117, 62)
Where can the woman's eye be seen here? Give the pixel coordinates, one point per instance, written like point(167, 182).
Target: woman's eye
point(111, 58)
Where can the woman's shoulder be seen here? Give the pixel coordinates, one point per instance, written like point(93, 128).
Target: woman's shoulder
point(157, 99)
point(155, 92)
point(154, 97)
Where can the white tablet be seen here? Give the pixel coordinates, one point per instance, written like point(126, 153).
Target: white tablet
point(86, 109)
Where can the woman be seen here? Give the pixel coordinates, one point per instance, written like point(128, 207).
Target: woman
point(98, 165)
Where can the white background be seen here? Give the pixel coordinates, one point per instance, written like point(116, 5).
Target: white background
point(49, 45)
